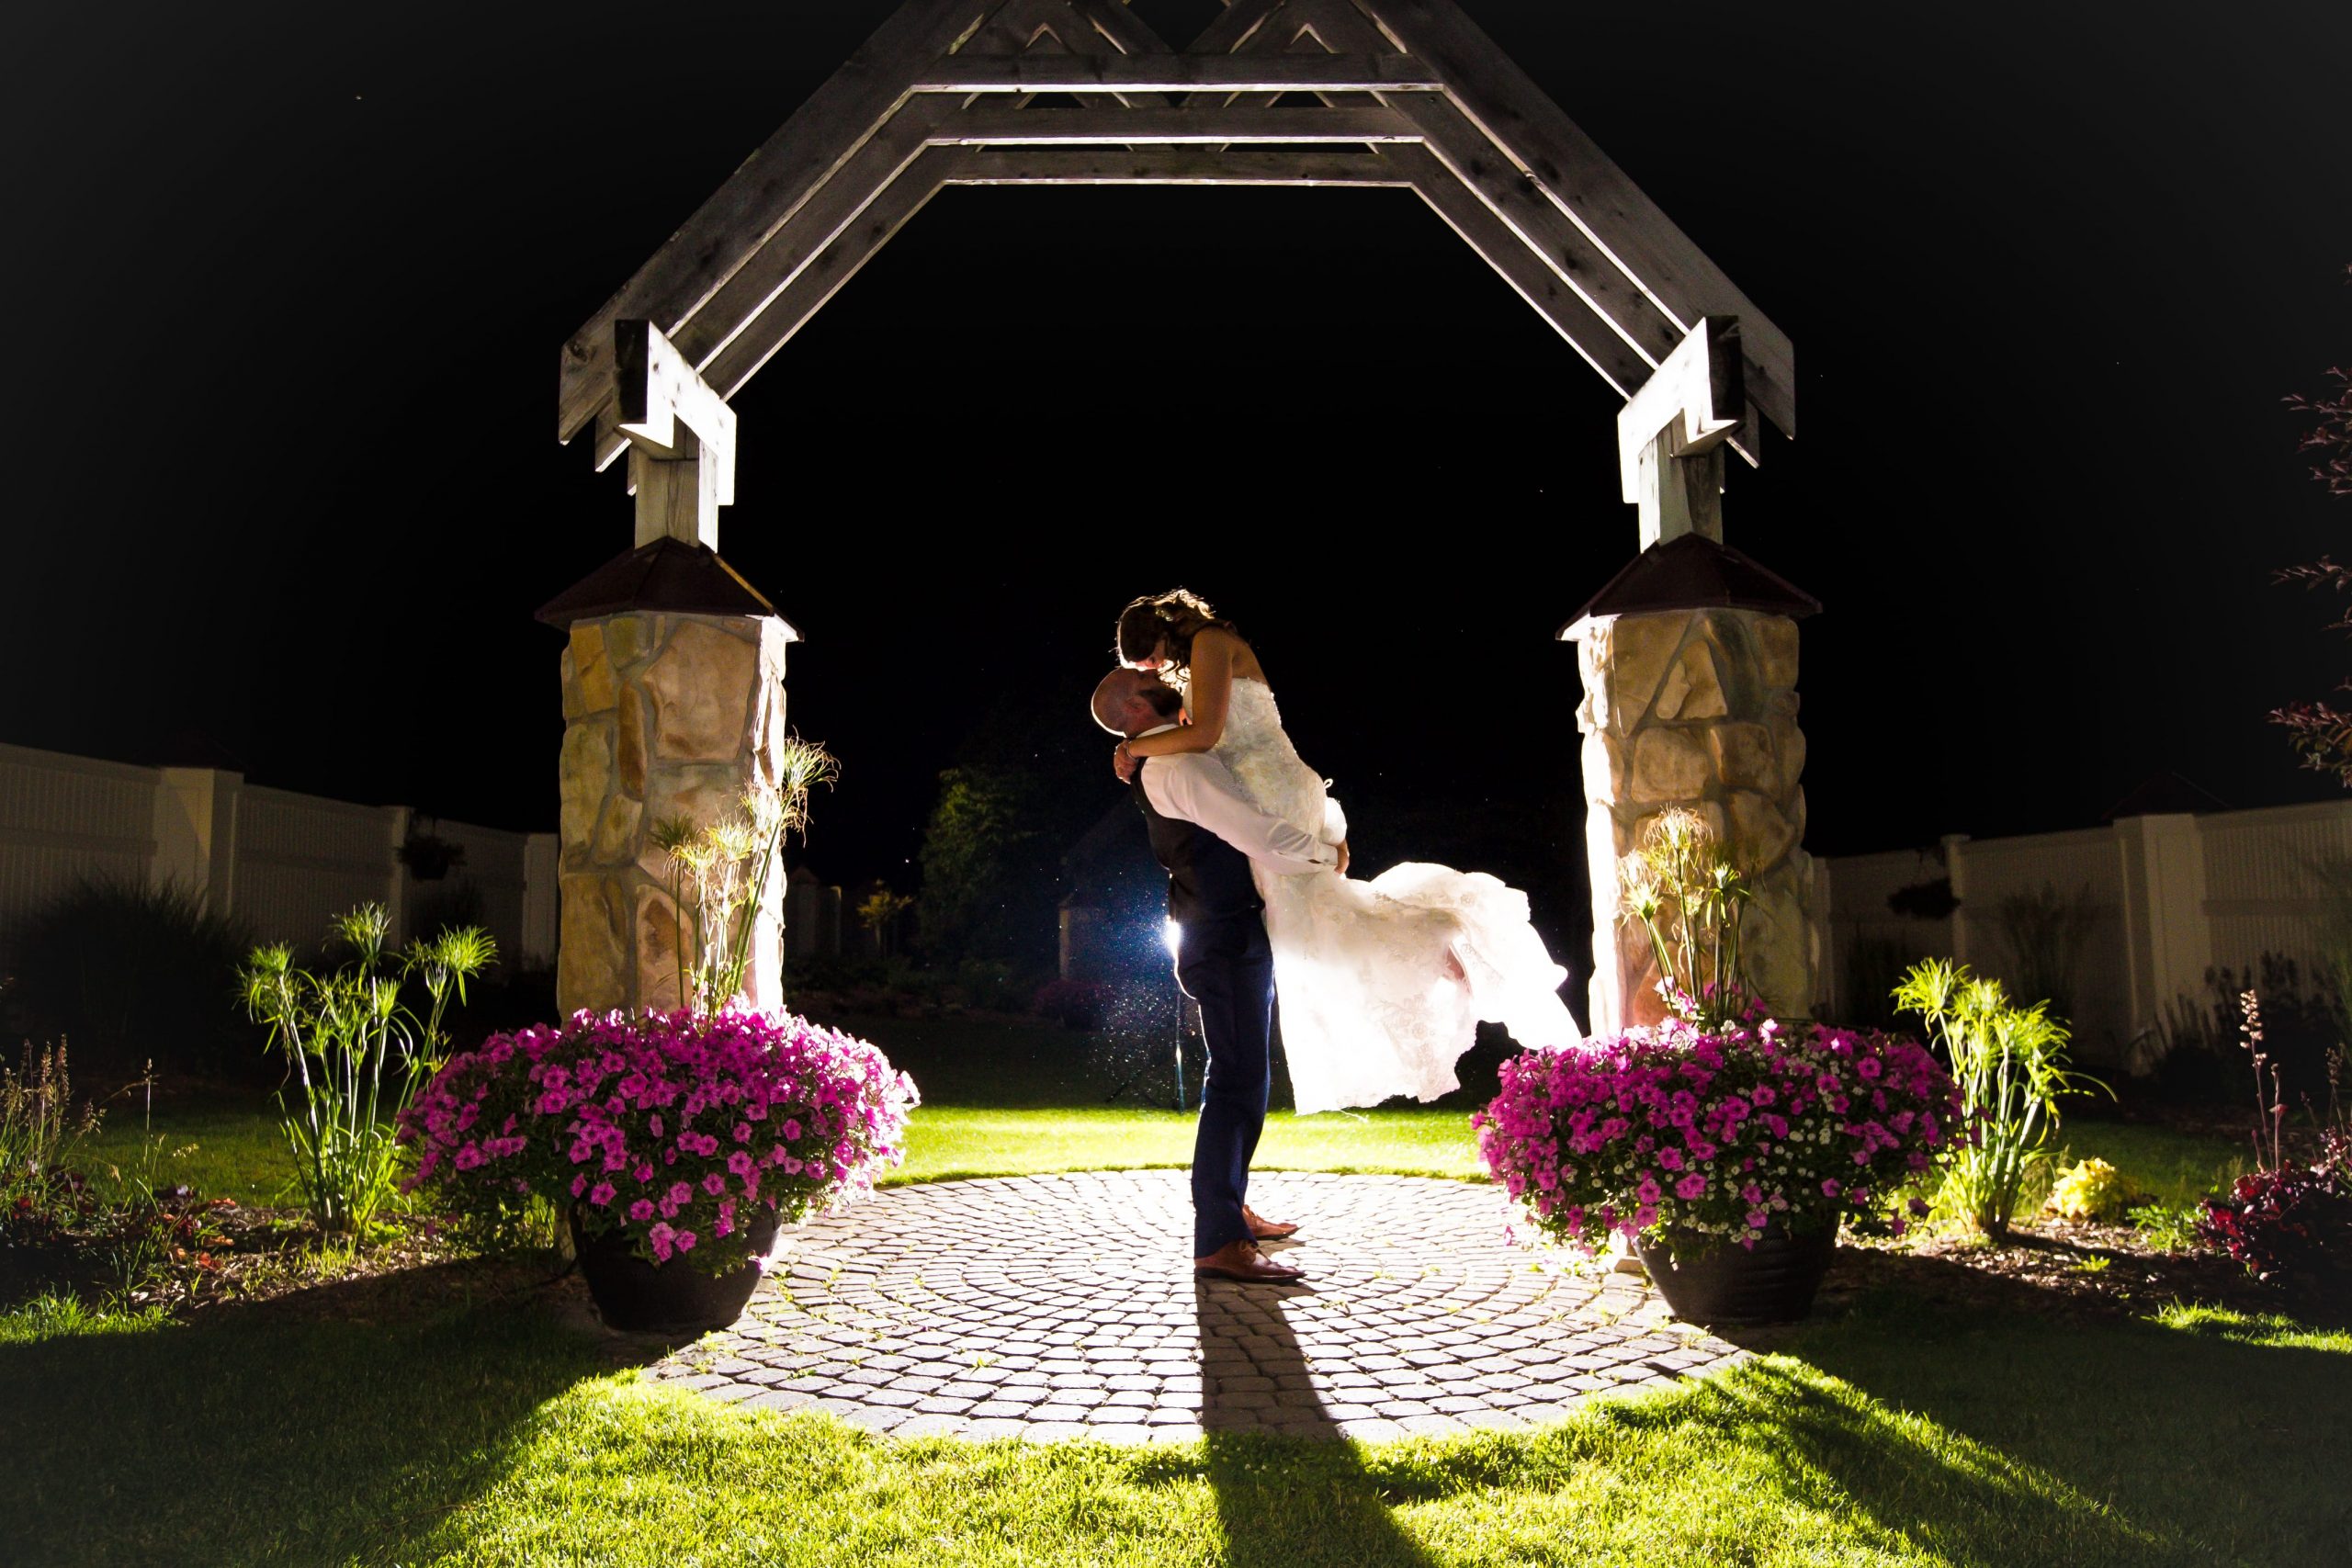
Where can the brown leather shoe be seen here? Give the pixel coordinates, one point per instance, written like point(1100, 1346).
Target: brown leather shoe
point(1241, 1260)
point(1261, 1229)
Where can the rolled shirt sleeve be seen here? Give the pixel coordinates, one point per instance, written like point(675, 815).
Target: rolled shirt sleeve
point(1196, 787)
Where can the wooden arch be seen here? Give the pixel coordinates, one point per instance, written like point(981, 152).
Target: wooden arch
point(1381, 93)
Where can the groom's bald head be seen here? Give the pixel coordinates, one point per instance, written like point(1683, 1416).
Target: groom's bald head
point(1131, 701)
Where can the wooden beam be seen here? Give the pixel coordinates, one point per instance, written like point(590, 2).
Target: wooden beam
point(1168, 166)
point(1234, 26)
point(757, 200)
point(656, 391)
point(1572, 170)
point(840, 201)
point(1510, 192)
point(983, 126)
point(1619, 364)
point(835, 265)
point(1120, 26)
point(1696, 399)
point(966, 74)
point(1671, 434)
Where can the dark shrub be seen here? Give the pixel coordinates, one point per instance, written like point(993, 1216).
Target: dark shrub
point(1073, 1004)
point(132, 973)
point(2205, 1063)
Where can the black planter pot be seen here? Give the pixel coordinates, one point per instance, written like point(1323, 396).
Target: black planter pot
point(1773, 1282)
point(676, 1297)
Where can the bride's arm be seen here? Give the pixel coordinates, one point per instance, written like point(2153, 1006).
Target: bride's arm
point(1212, 693)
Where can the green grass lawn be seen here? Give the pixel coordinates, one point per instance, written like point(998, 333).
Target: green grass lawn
point(495, 1434)
point(496, 1431)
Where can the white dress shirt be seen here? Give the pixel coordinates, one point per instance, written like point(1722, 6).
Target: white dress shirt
point(1196, 787)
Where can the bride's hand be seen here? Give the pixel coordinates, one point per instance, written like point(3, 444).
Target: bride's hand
point(1125, 764)
point(1343, 857)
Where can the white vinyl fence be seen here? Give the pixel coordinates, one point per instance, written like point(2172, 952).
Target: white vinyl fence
point(2172, 896)
point(282, 862)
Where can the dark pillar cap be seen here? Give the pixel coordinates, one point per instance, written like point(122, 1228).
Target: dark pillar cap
point(666, 575)
point(1694, 572)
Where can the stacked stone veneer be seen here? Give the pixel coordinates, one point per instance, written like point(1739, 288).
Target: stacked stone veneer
point(666, 715)
point(1697, 708)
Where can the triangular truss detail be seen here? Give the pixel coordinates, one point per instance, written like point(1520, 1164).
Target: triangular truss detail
point(1393, 92)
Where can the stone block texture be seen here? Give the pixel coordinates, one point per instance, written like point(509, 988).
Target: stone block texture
point(665, 716)
point(1698, 709)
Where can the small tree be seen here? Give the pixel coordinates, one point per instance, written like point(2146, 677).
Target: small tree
point(2321, 732)
point(878, 913)
point(981, 843)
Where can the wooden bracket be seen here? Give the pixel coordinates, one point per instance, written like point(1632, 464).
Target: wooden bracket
point(1669, 433)
point(680, 434)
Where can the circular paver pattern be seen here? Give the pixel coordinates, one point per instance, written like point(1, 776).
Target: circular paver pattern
point(1062, 1306)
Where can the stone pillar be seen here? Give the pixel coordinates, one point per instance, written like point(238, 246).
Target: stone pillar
point(1696, 708)
point(667, 715)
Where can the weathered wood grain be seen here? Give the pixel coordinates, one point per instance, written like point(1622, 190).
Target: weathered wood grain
point(984, 125)
point(1168, 166)
point(1177, 74)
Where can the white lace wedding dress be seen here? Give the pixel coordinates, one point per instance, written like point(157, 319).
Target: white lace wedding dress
point(1368, 1004)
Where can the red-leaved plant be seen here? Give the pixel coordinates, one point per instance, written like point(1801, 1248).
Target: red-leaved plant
point(2285, 1222)
point(674, 1129)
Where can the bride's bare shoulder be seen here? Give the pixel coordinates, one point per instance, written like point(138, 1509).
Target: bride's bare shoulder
point(1242, 659)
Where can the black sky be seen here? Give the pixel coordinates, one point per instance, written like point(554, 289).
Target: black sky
point(290, 281)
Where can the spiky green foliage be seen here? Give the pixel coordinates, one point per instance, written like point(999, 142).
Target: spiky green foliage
point(356, 1053)
point(2010, 1063)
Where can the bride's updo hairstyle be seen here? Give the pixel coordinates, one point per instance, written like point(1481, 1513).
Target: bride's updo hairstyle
point(1173, 618)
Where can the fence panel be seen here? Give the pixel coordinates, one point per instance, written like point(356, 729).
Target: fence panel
point(2260, 891)
point(64, 819)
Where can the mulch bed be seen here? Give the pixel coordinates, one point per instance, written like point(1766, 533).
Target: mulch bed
point(2055, 1268)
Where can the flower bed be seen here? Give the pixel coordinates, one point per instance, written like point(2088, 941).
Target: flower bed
point(1715, 1136)
point(673, 1129)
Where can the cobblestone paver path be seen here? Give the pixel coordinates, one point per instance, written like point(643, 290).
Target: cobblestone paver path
point(1057, 1306)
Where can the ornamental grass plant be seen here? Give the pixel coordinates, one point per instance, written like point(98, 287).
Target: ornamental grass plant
point(1709, 1140)
point(1689, 900)
point(720, 873)
point(357, 1052)
point(677, 1130)
point(2010, 1065)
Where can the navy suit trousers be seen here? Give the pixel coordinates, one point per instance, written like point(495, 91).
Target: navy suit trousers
point(1226, 967)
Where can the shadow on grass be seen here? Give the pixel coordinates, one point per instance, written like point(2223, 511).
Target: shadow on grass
point(1968, 1435)
point(1298, 1494)
point(306, 1430)
point(2206, 1445)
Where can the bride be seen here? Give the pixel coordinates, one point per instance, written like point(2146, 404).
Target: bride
point(1382, 983)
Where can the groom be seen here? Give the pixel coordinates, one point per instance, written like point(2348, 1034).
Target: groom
point(1206, 832)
